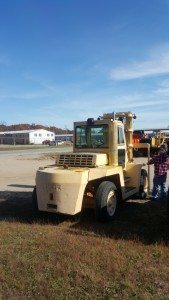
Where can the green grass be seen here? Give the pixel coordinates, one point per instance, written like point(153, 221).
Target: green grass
point(50, 258)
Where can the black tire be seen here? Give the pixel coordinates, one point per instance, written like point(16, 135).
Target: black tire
point(35, 201)
point(107, 201)
point(167, 148)
point(143, 185)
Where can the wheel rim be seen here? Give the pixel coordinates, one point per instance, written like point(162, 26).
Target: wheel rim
point(144, 183)
point(111, 203)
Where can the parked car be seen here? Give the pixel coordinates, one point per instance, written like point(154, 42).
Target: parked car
point(60, 142)
point(52, 143)
point(46, 142)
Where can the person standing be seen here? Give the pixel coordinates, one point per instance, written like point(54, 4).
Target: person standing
point(160, 173)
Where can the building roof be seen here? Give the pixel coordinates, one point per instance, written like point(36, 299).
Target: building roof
point(23, 131)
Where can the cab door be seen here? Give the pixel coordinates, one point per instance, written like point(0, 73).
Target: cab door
point(121, 146)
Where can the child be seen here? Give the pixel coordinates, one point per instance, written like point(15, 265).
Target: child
point(160, 173)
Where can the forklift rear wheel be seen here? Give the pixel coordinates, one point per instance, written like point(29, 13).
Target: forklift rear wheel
point(34, 201)
point(143, 184)
point(106, 201)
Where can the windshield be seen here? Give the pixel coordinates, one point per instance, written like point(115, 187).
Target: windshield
point(94, 136)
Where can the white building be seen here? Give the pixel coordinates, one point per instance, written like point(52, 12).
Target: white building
point(34, 136)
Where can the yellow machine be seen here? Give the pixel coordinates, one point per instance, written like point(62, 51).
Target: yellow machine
point(99, 173)
point(156, 138)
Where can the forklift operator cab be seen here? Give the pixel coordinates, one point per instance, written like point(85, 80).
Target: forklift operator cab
point(105, 136)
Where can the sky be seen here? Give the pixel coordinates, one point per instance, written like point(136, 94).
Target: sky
point(68, 60)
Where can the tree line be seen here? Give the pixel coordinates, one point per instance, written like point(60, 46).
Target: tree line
point(16, 127)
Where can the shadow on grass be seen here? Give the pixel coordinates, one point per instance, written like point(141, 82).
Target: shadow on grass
point(17, 207)
point(137, 220)
point(143, 221)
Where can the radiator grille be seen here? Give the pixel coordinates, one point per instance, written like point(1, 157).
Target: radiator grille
point(75, 160)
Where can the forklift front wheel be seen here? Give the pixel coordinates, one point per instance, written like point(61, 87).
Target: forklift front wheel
point(106, 201)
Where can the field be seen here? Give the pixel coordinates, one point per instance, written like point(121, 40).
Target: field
point(66, 258)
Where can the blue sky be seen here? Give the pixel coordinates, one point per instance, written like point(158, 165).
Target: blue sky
point(67, 60)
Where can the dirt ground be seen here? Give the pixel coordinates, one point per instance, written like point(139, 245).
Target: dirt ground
point(17, 182)
point(18, 172)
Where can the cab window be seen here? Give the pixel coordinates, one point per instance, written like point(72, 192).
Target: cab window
point(95, 136)
point(120, 135)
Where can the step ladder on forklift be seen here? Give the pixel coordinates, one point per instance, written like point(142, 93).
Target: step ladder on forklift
point(127, 178)
point(145, 146)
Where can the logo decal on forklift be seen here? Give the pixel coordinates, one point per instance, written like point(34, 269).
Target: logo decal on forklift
point(52, 187)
